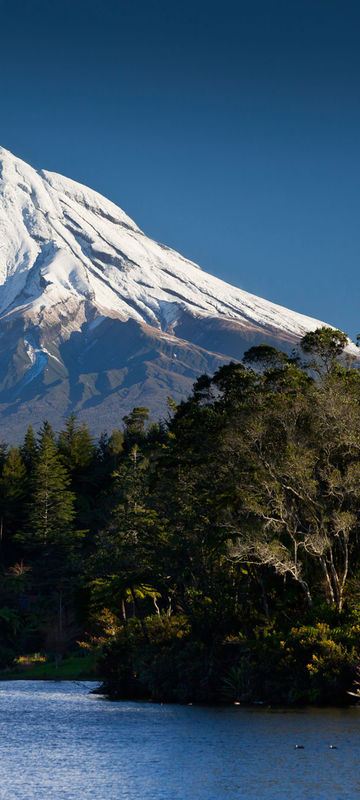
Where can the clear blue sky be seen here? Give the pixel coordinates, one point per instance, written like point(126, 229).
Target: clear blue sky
point(228, 130)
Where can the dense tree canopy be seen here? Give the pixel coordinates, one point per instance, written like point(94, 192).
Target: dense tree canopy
point(214, 556)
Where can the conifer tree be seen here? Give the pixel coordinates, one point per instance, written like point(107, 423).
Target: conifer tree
point(52, 506)
point(12, 493)
point(78, 453)
point(76, 445)
point(135, 427)
point(29, 449)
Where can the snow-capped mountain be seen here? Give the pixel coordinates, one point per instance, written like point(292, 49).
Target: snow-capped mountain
point(96, 317)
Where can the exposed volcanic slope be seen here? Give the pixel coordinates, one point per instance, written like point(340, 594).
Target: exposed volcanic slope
point(96, 317)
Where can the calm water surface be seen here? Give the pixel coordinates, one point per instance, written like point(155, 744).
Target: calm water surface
point(60, 743)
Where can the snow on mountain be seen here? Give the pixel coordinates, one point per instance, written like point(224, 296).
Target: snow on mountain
point(83, 246)
point(75, 270)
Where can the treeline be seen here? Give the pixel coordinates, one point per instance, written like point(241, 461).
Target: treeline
point(213, 556)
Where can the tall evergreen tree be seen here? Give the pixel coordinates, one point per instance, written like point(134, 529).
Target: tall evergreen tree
point(78, 453)
point(52, 506)
point(76, 445)
point(13, 485)
point(135, 432)
point(29, 449)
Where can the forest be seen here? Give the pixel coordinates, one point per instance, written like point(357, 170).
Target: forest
point(213, 556)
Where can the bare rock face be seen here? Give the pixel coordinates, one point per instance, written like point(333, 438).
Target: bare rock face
point(96, 318)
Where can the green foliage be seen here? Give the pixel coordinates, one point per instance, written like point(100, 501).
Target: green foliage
point(13, 487)
point(29, 449)
point(75, 445)
point(266, 356)
point(214, 557)
point(37, 667)
point(134, 433)
point(171, 666)
point(52, 507)
point(326, 345)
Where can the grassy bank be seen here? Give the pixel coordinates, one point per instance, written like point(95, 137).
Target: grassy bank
point(71, 669)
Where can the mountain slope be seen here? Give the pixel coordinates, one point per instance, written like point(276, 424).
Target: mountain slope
point(96, 317)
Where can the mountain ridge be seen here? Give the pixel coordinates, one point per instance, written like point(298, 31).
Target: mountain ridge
point(95, 316)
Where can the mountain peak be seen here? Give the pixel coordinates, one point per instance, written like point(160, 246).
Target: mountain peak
point(76, 270)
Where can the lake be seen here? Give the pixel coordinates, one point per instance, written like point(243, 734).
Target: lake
point(58, 742)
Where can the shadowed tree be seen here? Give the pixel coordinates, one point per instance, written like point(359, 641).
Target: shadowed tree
point(13, 486)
